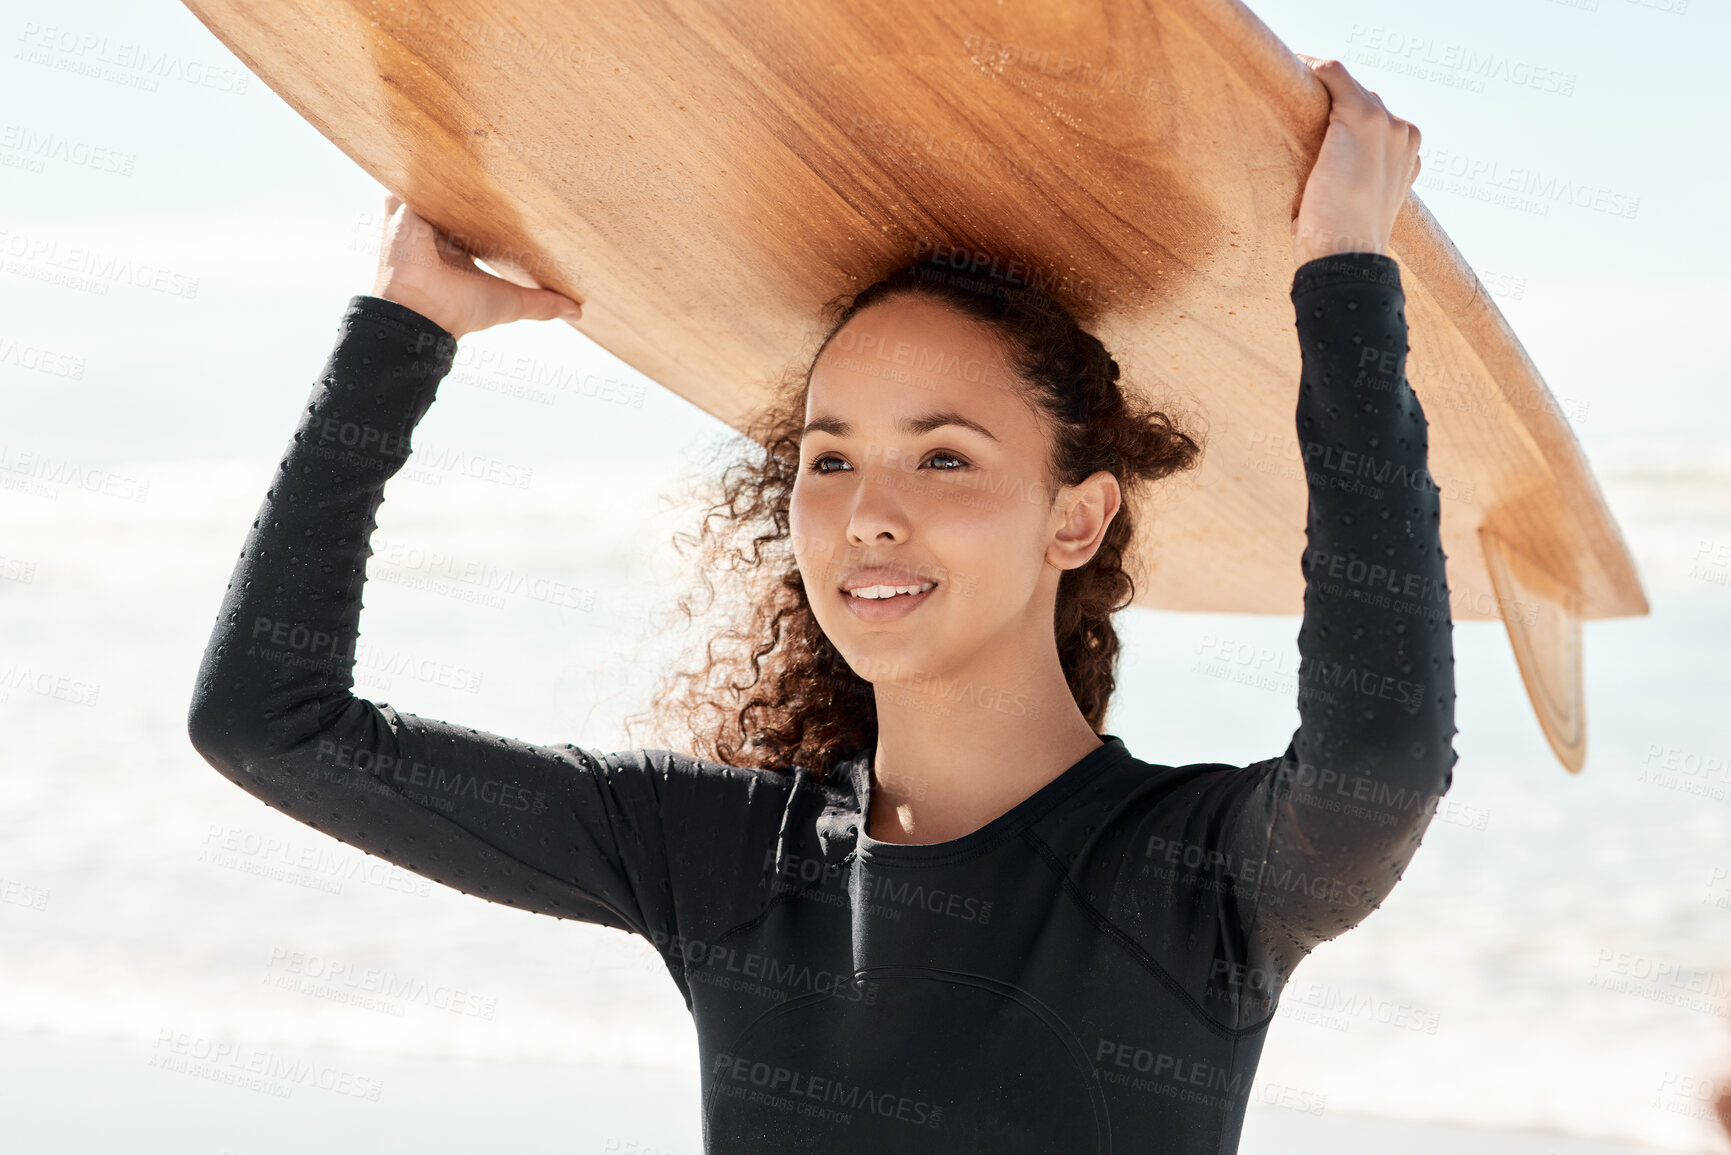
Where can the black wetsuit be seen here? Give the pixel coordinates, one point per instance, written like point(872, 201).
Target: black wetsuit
point(1092, 971)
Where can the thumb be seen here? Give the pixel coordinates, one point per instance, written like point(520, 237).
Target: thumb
point(546, 305)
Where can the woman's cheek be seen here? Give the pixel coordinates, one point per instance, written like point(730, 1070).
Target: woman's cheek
point(811, 547)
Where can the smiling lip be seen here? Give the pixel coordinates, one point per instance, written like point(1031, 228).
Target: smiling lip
point(884, 593)
point(884, 575)
point(886, 609)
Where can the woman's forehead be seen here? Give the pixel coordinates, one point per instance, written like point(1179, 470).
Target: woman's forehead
point(912, 352)
point(915, 320)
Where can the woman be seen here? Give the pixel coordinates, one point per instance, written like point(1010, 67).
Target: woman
point(913, 919)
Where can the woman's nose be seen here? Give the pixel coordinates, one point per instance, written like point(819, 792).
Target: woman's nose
point(878, 512)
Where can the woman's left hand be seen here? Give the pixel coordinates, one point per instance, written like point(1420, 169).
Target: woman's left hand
point(1369, 159)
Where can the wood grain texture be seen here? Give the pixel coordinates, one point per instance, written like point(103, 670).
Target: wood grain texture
point(1544, 625)
point(704, 175)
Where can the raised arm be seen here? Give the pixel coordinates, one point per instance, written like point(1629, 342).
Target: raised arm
point(560, 830)
point(1267, 861)
point(273, 708)
point(1339, 815)
point(1355, 790)
point(1262, 863)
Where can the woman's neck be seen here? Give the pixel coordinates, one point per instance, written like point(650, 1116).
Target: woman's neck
point(955, 752)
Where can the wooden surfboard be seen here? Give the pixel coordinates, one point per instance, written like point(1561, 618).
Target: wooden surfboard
point(703, 175)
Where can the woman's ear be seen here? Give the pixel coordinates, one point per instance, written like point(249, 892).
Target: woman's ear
point(1083, 511)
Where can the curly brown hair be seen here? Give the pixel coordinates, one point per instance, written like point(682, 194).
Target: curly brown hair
point(770, 690)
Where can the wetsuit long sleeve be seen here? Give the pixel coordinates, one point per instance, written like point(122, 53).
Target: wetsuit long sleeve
point(1295, 850)
point(1357, 786)
point(559, 830)
point(1374, 751)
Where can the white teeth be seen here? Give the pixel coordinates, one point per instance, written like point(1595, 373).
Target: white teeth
point(889, 591)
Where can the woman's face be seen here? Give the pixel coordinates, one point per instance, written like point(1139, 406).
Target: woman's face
point(923, 467)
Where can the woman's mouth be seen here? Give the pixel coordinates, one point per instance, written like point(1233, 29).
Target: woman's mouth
point(883, 603)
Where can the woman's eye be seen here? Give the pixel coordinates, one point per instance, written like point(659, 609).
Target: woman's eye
point(817, 464)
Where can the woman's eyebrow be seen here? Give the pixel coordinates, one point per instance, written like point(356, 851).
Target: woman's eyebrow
point(913, 426)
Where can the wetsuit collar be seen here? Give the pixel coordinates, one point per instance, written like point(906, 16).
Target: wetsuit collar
point(1024, 812)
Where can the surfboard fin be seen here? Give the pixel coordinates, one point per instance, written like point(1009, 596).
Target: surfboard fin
point(1543, 617)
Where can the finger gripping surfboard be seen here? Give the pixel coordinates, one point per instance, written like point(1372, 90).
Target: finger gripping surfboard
point(704, 175)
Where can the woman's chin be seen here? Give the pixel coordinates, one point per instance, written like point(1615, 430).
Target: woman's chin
point(881, 657)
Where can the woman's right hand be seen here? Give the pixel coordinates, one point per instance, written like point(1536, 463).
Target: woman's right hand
point(1356, 187)
point(422, 268)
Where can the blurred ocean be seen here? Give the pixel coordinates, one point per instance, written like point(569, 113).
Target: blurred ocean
point(1557, 959)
